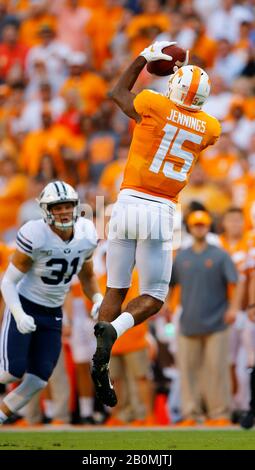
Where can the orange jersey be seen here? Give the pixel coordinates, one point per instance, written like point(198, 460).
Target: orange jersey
point(166, 145)
point(238, 252)
point(77, 293)
point(249, 209)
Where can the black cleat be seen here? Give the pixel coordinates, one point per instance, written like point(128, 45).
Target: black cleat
point(104, 389)
point(87, 420)
point(247, 420)
point(106, 336)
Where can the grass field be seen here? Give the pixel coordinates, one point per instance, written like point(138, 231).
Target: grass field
point(128, 440)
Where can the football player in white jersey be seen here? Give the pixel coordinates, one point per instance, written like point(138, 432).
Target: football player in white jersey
point(49, 252)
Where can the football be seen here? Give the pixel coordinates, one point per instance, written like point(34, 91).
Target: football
point(164, 67)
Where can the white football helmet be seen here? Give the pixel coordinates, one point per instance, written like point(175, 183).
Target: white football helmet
point(189, 87)
point(55, 193)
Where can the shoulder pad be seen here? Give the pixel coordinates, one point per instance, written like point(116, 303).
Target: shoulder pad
point(31, 236)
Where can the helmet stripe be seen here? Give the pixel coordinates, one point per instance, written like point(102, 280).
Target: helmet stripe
point(57, 189)
point(180, 73)
point(64, 188)
point(193, 86)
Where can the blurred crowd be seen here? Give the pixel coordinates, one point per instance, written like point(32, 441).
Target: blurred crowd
point(58, 59)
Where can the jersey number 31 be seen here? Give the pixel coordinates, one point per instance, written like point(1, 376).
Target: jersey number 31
point(57, 275)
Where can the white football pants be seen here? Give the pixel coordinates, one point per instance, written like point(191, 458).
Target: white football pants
point(140, 233)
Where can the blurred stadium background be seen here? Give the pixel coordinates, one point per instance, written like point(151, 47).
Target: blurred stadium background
point(58, 58)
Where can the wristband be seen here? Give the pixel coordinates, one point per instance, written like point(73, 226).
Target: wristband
point(98, 297)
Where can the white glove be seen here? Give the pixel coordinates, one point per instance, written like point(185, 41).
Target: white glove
point(97, 299)
point(26, 324)
point(154, 51)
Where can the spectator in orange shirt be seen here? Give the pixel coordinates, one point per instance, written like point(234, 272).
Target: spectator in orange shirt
point(203, 190)
point(144, 27)
point(218, 161)
point(203, 46)
point(112, 175)
point(53, 140)
point(106, 19)
point(89, 85)
point(102, 145)
point(36, 16)
point(242, 180)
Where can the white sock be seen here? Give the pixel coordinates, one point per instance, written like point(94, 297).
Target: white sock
point(49, 408)
point(3, 417)
point(86, 406)
point(123, 323)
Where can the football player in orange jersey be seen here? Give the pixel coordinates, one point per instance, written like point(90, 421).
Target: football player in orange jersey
point(171, 130)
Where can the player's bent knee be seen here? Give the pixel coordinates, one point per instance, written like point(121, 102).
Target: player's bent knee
point(7, 378)
point(152, 301)
point(158, 294)
point(24, 392)
point(43, 370)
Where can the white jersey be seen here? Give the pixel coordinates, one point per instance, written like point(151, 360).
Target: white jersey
point(54, 260)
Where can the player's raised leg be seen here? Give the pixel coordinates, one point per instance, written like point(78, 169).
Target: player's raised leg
point(121, 259)
point(153, 260)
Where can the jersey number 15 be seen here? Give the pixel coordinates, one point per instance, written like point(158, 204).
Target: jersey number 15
point(174, 138)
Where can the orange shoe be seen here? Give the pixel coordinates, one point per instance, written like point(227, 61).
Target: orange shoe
point(221, 422)
point(147, 421)
point(185, 423)
point(23, 423)
point(150, 421)
point(137, 422)
point(113, 421)
point(57, 422)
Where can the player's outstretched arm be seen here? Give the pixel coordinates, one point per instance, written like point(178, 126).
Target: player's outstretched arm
point(90, 287)
point(21, 263)
point(121, 93)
